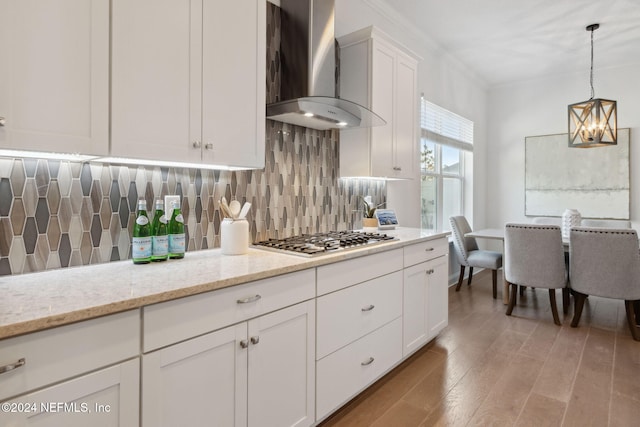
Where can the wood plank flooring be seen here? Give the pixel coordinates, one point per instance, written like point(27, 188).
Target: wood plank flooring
point(489, 369)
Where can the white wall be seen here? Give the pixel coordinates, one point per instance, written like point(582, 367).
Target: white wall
point(444, 82)
point(539, 107)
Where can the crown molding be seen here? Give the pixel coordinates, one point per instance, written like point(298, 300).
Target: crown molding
point(384, 9)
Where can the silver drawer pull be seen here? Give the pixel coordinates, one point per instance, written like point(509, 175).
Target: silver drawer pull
point(255, 340)
point(430, 271)
point(3, 121)
point(369, 361)
point(368, 308)
point(429, 249)
point(244, 343)
point(10, 367)
point(249, 299)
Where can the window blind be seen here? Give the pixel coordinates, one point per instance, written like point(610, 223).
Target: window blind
point(444, 127)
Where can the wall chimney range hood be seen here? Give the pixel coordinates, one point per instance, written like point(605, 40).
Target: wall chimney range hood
point(308, 71)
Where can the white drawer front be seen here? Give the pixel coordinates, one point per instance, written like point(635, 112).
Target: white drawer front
point(346, 372)
point(173, 321)
point(421, 252)
point(350, 313)
point(346, 273)
point(63, 352)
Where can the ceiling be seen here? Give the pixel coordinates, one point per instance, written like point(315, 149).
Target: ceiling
point(506, 41)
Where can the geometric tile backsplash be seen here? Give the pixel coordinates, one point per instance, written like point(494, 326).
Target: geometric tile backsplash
point(57, 214)
point(60, 213)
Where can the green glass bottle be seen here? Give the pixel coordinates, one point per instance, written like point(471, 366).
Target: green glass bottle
point(177, 242)
point(141, 239)
point(159, 234)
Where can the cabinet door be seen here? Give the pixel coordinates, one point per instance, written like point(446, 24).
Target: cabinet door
point(406, 118)
point(282, 368)
point(383, 103)
point(233, 79)
point(438, 296)
point(196, 382)
point(109, 397)
point(425, 302)
point(156, 75)
point(54, 75)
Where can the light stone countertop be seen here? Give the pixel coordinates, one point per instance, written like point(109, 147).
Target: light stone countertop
point(37, 301)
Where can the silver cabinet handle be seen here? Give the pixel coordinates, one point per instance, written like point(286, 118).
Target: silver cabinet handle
point(197, 144)
point(208, 146)
point(249, 299)
point(369, 361)
point(10, 367)
point(255, 340)
point(397, 168)
point(368, 308)
point(430, 271)
point(3, 121)
point(244, 343)
point(429, 249)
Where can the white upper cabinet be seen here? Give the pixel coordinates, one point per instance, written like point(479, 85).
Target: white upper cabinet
point(379, 74)
point(188, 81)
point(54, 75)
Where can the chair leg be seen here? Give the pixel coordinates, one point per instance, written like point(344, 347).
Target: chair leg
point(631, 319)
point(461, 278)
point(512, 298)
point(636, 308)
point(554, 308)
point(522, 288)
point(494, 278)
point(470, 276)
point(578, 306)
point(565, 300)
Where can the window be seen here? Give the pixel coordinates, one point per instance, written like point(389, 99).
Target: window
point(445, 140)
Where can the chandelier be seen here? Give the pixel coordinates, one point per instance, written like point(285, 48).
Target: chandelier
point(593, 123)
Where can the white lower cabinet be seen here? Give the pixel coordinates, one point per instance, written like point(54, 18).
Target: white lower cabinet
point(191, 382)
point(256, 373)
point(348, 371)
point(425, 310)
point(86, 373)
point(108, 397)
point(359, 331)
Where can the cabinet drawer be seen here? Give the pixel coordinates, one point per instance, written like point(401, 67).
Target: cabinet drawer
point(346, 372)
point(67, 351)
point(350, 313)
point(346, 273)
point(421, 252)
point(173, 321)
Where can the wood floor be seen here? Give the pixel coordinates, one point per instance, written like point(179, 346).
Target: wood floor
point(489, 369)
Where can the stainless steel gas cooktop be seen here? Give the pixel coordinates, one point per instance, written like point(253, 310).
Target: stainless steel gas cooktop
point(323, 243)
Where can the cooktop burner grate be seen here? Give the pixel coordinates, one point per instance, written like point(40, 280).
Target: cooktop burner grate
point(323, 243)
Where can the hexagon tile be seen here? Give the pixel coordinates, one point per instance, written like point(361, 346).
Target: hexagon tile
point(57, 214)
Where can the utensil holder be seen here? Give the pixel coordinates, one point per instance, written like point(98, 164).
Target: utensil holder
point(234, 236)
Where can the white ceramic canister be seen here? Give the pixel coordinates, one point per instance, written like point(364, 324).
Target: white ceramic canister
point(570, 218)
point(234, 236)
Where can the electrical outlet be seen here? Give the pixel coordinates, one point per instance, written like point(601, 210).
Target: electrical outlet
point(168, 204)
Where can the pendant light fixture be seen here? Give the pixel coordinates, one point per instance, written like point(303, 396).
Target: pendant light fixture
point(593, 123)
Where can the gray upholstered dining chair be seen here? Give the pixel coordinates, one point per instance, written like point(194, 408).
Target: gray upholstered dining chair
point(605, 262)
point(605, 223)
point(534, 256)
point(469, 255)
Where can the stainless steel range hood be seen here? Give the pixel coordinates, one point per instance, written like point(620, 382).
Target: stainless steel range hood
point(308, 67)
